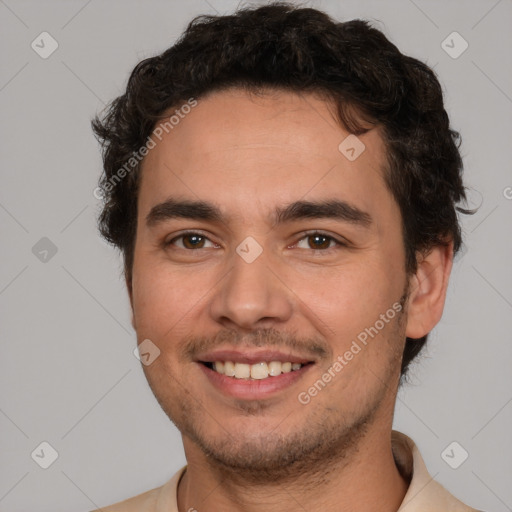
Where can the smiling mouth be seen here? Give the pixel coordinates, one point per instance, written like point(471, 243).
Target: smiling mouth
point(257, 371)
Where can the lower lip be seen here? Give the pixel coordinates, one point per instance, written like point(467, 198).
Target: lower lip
point(253, 389)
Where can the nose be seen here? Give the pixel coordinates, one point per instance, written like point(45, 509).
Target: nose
point(252, 295)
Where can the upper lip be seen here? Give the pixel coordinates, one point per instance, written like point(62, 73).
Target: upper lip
point(251, 356)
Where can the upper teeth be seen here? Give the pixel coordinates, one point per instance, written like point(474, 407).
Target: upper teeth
point(255, 371)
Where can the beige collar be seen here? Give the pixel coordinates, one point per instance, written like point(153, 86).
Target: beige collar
point(424, 494)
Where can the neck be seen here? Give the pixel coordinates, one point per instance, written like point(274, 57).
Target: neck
point(366, 479)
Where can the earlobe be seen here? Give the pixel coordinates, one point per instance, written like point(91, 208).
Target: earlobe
point(428, 288)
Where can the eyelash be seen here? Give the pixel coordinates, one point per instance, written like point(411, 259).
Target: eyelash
point(338, 243)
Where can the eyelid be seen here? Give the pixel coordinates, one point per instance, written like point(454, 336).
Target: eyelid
point(338, 241)
point(185, 233)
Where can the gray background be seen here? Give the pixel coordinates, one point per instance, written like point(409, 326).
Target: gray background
point(68, 375)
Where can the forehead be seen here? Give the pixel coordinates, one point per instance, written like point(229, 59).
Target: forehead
point(241, 149)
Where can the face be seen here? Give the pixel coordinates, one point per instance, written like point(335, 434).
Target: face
point(260, 244)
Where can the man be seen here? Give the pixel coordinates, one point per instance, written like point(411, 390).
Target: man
point(284, 191)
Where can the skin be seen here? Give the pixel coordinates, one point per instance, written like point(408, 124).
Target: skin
point(248, 155)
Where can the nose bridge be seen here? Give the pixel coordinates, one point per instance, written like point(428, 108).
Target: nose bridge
point(251, 293)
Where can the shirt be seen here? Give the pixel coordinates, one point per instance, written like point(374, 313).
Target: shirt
point(423, 495)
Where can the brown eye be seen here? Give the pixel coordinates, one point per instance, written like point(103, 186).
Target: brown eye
point(193, 241)
point(319, 241)
point(190, 241)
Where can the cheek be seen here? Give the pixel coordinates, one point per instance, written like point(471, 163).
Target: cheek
point(357, 312)
point(162, 300)
point(342, 302)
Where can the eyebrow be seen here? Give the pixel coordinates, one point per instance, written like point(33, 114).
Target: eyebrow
point(202, 210)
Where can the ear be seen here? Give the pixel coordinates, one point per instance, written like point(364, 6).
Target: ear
point(128, 281)
point(428, 290)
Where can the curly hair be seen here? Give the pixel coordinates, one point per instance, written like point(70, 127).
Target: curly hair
point(285, 47)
